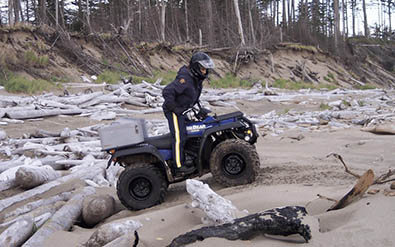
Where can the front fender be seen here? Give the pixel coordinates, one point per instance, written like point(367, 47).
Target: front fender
point(207, 133)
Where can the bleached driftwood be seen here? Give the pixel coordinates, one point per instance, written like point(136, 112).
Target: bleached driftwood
point(63, 219)
point(65, 196)
point(5, 185)
point(126, 240)
point(17, 233)
point(85, 173)
point(381, 129)
point(8, 177)
point(30, 177)
point(97, 208)
point(218, 209)
point(36, 214)
point(79, 99)
point(283, 221)
point(110, 231)
point(5, 165)
point(28, 114)
point(3, 134)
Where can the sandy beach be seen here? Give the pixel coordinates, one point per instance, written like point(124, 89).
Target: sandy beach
point(292, 173)
point(295, 167)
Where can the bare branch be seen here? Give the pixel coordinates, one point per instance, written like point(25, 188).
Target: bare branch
point(344, 164)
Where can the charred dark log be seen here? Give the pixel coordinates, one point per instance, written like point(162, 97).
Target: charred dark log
point(283, 221)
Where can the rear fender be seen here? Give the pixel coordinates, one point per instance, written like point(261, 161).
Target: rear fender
point(143, 150)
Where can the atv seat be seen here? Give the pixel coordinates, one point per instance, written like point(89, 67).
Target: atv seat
point(229, 115)
point(161, 142)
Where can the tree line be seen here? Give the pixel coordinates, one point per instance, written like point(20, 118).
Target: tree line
point(221, 23)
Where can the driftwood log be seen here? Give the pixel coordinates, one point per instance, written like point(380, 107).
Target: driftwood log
point(218, 209)
point(283, 221)
point(17, 233)
point(30, 177)
point(96, 208)
point(388, 129)
point(36, 214)
point(362, 185)
point(356, 192)
point(63, 219)
point(111, 231)
point(85, 173)
point(65, 196)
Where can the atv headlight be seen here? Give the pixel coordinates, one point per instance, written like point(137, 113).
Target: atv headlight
point(247, 138)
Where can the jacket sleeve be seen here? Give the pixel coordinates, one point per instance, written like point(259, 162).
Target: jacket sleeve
point(170, 93)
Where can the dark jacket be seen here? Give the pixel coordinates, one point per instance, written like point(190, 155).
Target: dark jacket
point(182, 93)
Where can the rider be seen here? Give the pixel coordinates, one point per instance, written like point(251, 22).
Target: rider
point(181, 94)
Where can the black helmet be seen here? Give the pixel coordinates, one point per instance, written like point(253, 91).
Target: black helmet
point(198, 60)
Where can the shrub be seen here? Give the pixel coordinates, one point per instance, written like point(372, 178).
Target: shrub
point(110, 77)
point(366, 86)
point(32, 60)
point(324, 106)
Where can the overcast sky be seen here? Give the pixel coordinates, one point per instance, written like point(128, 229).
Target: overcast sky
point(374, 11)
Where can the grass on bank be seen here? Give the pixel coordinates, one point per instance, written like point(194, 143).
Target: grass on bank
point(19, 84)
point(292, 85)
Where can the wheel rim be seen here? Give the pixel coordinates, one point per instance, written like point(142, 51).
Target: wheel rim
point(233, 164)
point(140, 188)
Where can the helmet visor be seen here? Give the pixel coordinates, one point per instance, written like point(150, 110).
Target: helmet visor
point(207, 63)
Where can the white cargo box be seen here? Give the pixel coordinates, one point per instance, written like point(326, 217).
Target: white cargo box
point(122, 133)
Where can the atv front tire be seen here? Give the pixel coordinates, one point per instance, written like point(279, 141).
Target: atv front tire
point(141, 186)
point(234, 162)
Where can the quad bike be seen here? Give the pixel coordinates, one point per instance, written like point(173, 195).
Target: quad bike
point(222, 145)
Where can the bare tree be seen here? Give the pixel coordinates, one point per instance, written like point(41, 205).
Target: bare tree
point(337, 22)
point(88, 20)
point(186, 19)
point(252, 30)
point(353, 15)
point(240, 25)
point(10, 12)
point(162, 11)
point(365, 18)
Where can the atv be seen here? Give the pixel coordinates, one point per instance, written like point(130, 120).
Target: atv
point(222, 145)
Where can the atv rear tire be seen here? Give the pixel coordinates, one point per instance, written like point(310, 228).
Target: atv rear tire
point(234, 162)
point(141, 186)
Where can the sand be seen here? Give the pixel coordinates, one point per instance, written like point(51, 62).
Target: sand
point(292, 173)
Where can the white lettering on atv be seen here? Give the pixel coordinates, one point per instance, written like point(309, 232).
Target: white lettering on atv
point(195, 128)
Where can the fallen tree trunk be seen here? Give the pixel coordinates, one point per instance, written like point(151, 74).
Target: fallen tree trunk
point(30, 177)
point(108, 232)
point(63, 219)
point(17, 233)
point(283, 221)
point(97, 208)
point(29, 114)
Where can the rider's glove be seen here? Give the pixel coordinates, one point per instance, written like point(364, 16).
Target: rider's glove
point(203, 112)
